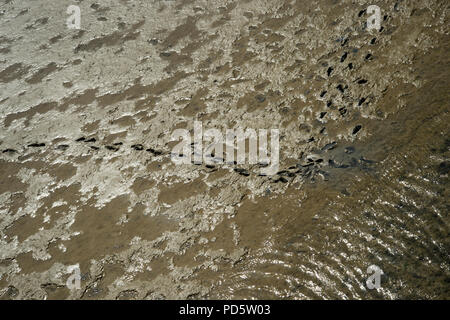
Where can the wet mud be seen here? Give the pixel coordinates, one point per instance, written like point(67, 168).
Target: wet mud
point(86, 176)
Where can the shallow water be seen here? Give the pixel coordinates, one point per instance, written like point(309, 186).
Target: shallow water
point(86, 177)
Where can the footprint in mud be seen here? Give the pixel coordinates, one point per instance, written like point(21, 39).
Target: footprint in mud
point(310, 168)
point(329, 146)
point(281, 179)
point(62, 147)
point(341, 88)
point(357, 129)
point(154, 152)
point(242, 172)
point(9, 151)
point(112, 148)
point(329, 71)
point(36, 145)
point(349, 150)
point(137, 147)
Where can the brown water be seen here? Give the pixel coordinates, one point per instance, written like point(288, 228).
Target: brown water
point(140, 226)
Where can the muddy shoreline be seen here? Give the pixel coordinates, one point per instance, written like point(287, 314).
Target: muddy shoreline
point(86, 177)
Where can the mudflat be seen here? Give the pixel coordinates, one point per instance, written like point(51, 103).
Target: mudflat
point(86, 175)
